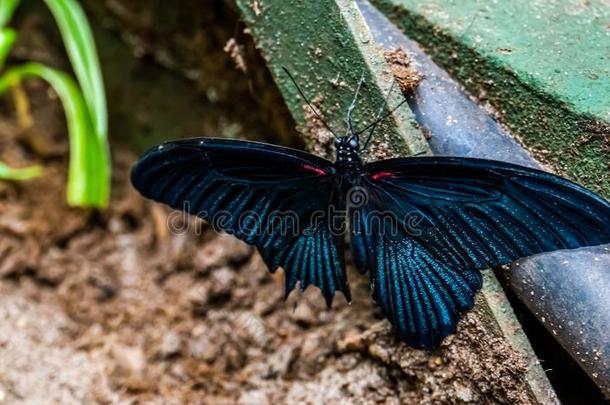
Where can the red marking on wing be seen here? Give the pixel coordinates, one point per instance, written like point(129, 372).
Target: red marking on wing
point(381, 175)
point(312, 169)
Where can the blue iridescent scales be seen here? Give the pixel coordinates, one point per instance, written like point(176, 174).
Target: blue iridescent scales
point(453, 217)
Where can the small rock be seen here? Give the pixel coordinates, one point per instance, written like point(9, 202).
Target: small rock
point(463, 393)
point(178, 371)
point(281, 361)
point(130, 363)
point(252, 327)
point(304, 315)
point(234, 356)
point(201, 347)
point(223, 280)
point(314, 351)
point(379, 352)
point(15, 224)
point(353, 341)
point(197, 295)
point(253, 397)
point(17, 255)
point(54, 271)
point(171, 344)
point(129, 359)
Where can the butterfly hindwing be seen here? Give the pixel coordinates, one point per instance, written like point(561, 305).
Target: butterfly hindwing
point(453, 217)
point(263, 194)
point(422, 296)
point(311, 258)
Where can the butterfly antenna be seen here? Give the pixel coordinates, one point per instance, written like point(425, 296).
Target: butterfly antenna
point(378, 116)
point(350, 126)
point(307, 101)
point(382, 118)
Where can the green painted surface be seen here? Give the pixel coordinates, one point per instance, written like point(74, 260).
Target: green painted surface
point(327, 46)
point(545, 66)
point(559, 47)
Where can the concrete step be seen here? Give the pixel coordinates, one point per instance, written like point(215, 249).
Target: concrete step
point(543, 66)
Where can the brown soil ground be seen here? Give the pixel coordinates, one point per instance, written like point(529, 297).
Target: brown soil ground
point(111, 307)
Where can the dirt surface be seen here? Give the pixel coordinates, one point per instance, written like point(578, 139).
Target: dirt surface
point(112, 307)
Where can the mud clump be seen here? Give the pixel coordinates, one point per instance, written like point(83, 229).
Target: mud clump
point(472, 366)
point(405, 74)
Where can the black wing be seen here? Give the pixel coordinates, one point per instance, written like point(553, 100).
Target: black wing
point(263, 194)
point(456, 216)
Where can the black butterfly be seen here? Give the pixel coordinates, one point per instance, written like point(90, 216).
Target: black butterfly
point(422, 226)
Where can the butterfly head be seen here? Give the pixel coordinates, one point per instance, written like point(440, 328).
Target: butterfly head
point(347, 149)
point(347, 142)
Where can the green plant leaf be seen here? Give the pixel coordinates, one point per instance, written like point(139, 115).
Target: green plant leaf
point(22, 173)
point(89, 171)
point(7, 39)
point(85, 107)
point(79, 43)
point(7, 8)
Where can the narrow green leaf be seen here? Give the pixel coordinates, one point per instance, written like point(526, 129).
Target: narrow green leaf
point(7, 8)
point(22, 173)
point(7, 39)
point(80, 45)
point(89, 171)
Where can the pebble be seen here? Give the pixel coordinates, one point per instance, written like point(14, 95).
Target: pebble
point(171, 344)
point(197, 295)
point(304, 315)
point(129, 369)
point(352, 342)
point(200, 347)
point(253, 397)
point(280, 361)
point(223, 280)
point(463, 393)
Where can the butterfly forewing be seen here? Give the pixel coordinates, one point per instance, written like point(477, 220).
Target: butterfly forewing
point(263, 194)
